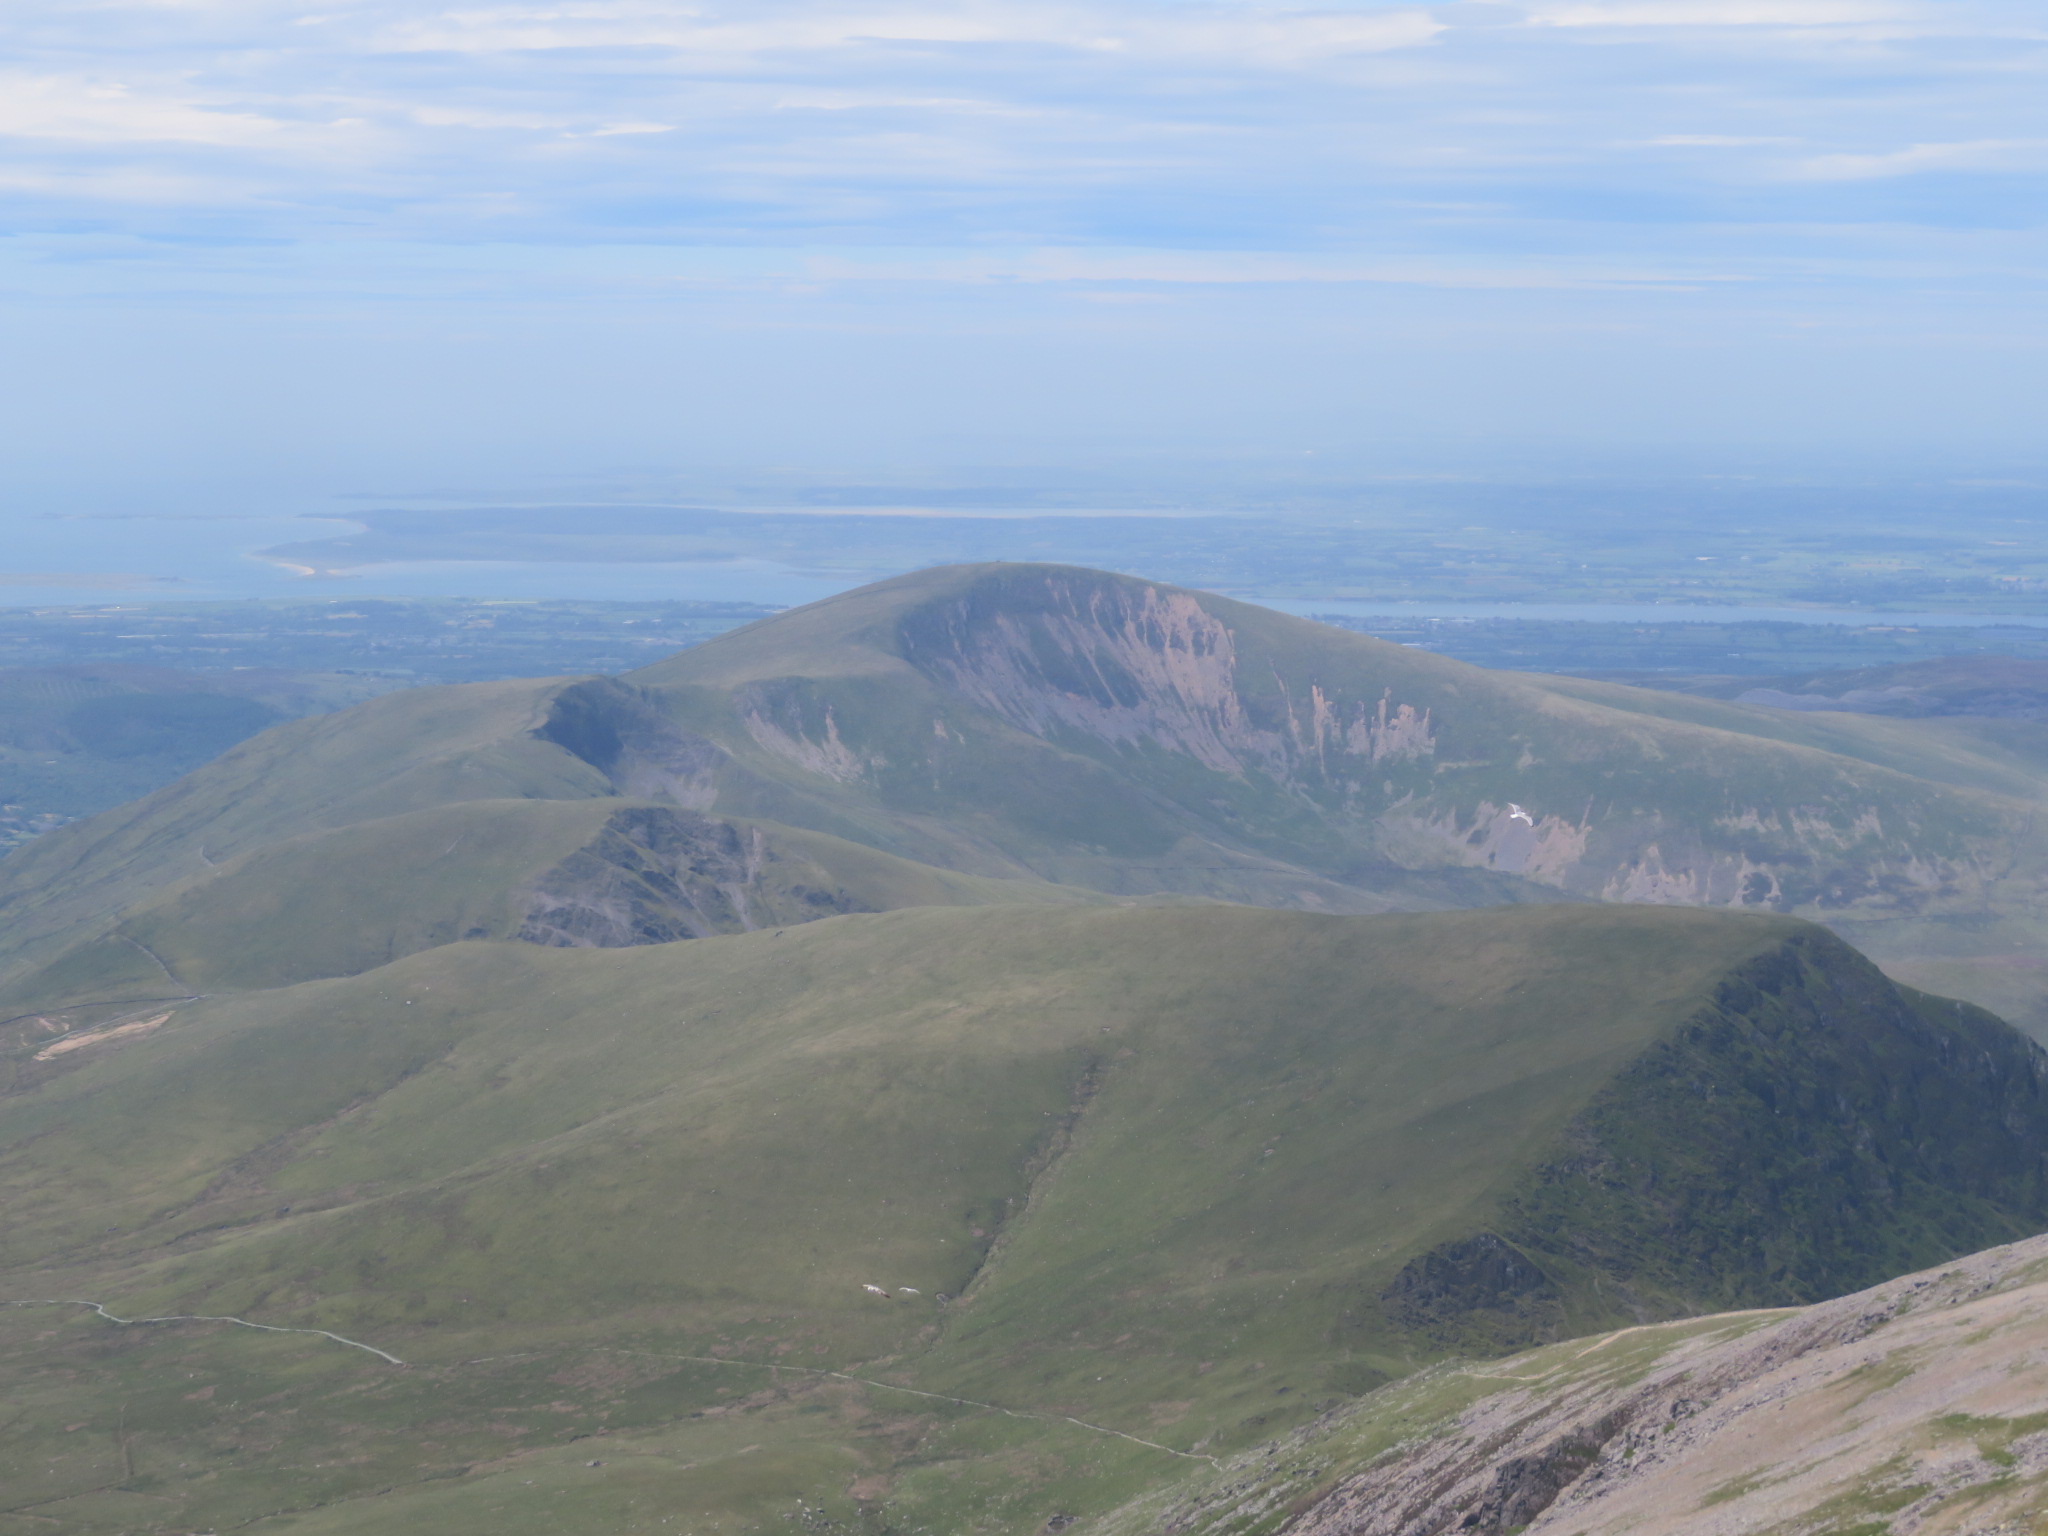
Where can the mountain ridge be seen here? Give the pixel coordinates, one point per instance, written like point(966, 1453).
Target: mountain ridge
point(1076, 734)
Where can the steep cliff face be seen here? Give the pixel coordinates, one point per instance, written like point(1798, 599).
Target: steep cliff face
point(637, 743)
point(1127, 664)
point(654, 876)
point(1368, 756)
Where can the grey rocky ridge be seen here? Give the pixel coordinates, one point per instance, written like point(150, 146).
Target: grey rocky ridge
point(1917, 1406)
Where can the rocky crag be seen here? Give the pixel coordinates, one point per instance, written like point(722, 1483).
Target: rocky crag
point(1915, 1408)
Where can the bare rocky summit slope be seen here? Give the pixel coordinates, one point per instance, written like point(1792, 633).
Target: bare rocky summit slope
point(1916, 1408)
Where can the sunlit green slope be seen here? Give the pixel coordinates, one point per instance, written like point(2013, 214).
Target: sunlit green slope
point(409, 751)
point(1184, 1174)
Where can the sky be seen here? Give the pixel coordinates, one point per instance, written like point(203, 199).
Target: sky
point(258, 251)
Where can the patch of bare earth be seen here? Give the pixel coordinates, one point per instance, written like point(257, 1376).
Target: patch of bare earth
point(80, 1041)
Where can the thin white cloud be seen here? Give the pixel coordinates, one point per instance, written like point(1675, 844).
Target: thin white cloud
point(124, 187)
point(889, 101)
point(1714, 140)
point(1977, 155)
point(1244, 34)
point(106, 111)
point(1539, 125)
point(1718, 13)
point(441, 115)
point(1170, 268)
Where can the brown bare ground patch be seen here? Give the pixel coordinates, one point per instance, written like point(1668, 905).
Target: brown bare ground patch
point(79, 1042)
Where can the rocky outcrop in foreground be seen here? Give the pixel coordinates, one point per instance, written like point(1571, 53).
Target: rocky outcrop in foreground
point(1916, 1408)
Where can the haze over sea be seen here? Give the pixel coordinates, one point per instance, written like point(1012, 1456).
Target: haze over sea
point(199, 557)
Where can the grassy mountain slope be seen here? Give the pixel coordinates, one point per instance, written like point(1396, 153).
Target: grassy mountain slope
point(402, 752)
point(1998, 756)
point(1179, 1174)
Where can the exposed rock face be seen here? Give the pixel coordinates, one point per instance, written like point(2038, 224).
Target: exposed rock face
point(1945, 1372)
point(1778, 858)
point(1915, 1408)
point(1138, 666)
point(1409, 770)
point(1123, 666)
point(657, 875)
point(1453, 1286)
point(774, 718)
point(625, 734)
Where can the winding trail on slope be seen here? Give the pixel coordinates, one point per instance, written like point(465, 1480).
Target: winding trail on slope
point(242, 1322)
point(759, 1365)
point(161, 963)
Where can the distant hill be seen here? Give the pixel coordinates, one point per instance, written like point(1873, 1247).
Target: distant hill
point(1018, 733)
point(79, 739)
point(1158, 1183)
point(1985, 687)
